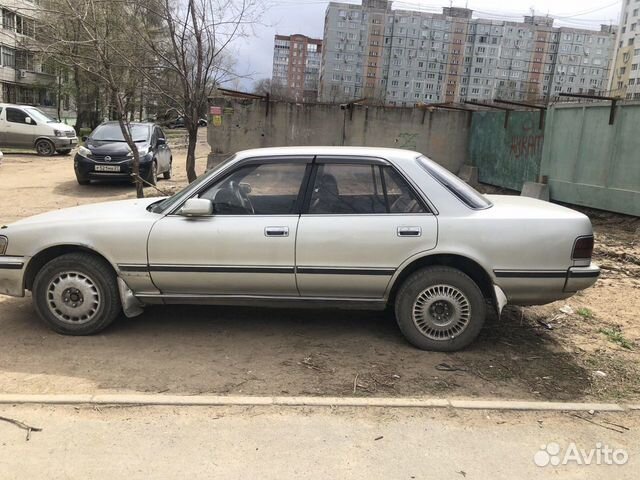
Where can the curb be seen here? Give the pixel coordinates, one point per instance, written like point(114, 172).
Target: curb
point(214, 401)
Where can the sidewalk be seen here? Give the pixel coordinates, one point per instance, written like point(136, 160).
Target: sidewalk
point(280, 442)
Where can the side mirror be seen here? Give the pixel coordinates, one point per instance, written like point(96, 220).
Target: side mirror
point(162, 141)
point(27, 120)
point(197, 207)
point(85, 138)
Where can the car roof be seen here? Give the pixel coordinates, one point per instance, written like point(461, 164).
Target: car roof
point(115, 122)
point(392, 154)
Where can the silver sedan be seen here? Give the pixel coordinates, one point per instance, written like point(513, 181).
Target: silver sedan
point(344, 227)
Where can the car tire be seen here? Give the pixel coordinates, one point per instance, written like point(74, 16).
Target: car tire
point(82, 181)
point(152, 175)
point(167, 175)
point(81, 278)
point(45, 148)
point(440, 309)
point(64, 152)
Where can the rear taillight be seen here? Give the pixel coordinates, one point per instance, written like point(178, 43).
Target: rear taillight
point(582, 248)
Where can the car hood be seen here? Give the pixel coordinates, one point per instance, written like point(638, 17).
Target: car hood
point(117, 149)
point(61, 126)
point(513, 206)
point(117, 210)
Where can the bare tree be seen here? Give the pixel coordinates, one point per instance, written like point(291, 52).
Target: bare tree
point(93, 39)
point(194, 50)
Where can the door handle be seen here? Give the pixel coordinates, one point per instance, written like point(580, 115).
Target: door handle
point(276, 231)
point(409, 231)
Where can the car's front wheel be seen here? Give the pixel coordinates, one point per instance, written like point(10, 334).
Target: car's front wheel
point(45, 148)
point(76, 294)
point(440, 308)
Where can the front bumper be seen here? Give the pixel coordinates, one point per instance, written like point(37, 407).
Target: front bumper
point(579, 278)
point(12, 276)
point(86, 168)
point(64, 142)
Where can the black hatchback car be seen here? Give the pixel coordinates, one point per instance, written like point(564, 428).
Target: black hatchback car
point(106, 155)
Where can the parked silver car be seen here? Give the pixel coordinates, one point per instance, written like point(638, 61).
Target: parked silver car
point(321, 226)
point(22, 126)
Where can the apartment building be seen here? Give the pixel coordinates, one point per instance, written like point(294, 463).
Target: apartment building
point(296, 67)
point(24, 78)
point(404, 57)
point(625, 78)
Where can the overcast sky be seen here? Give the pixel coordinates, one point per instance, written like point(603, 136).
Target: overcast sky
point(285, 17)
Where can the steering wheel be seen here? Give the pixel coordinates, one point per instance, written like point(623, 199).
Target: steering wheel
point(243, 199)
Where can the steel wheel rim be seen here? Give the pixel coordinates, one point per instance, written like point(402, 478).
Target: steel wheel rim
point(73, 298)
point(441, 312)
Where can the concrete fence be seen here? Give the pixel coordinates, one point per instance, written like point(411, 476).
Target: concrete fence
point(588, 162)
point(244, 124)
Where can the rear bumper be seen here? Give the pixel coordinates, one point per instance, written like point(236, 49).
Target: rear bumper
point(538, 287)
point(579, 278)
point(12, 276)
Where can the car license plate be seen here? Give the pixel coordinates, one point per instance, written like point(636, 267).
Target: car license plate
point(107, 168)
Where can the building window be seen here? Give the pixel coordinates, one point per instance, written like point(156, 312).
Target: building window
point(8, 57)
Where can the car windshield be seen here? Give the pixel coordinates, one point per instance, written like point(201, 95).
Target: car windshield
point(161, 205)
point(465, 193)
point(111, 132)
point(39, 116)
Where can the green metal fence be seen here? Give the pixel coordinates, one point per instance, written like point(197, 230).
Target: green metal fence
point(590, 162)
point(507, 153)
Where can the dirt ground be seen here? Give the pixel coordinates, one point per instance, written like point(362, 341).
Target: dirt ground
point(589, 351)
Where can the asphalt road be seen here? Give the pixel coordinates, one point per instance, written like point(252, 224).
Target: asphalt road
point(313, 443)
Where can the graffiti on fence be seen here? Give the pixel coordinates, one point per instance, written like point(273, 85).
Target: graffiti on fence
point(526, 146)
point(407, 140)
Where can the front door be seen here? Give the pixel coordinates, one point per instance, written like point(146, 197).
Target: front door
point(361, 223)
point(246, 247)
point(19, 132)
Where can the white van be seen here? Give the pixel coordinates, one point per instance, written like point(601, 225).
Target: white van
point(22, 126)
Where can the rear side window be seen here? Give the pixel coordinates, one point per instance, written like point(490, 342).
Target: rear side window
point(360, 189)
point(465, 193)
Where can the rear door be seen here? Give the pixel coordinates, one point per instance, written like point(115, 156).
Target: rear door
point(361, 221)
point(163, 154)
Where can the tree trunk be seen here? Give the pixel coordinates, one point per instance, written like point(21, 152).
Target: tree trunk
point(126, 133)
point(192, 131)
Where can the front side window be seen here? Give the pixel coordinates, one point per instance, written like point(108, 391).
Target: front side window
point(360, 189)
point(15, 115)
point(266, 189)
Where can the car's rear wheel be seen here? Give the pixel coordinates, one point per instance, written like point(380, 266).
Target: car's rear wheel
point(76, 294)
point(152, 175)
point(440, 308)
point(45, 148)
point(167, 175)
